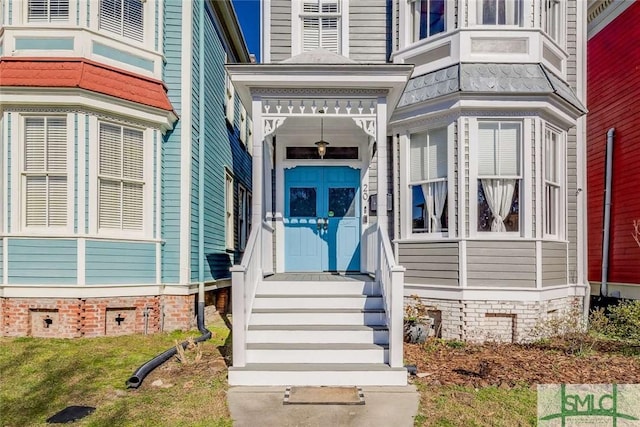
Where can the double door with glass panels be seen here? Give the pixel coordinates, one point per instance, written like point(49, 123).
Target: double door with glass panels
point(322, 219)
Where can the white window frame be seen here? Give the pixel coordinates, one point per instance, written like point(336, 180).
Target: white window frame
point(297, 27)
point(415, 13)
point(524, 186)
point(244, 218)
point(249, 136)
point(553, 220)
point(47, 4)
point(229, 97)
point(145, 231)
point(243, 125)
point(476, 12)
point(25, 173)
point(553, 22)
point(428, 134)
point(229, 220)
point(146, 23)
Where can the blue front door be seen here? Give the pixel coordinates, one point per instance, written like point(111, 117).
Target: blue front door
point(322, 218)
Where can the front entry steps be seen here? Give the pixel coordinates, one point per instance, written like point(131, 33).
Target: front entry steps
point(319, 332)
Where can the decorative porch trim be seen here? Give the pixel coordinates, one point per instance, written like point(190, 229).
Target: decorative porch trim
point(367, 125)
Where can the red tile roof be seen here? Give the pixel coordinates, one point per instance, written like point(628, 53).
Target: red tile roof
point(85, 74)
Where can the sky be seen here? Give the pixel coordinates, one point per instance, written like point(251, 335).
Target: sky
point(248, 12)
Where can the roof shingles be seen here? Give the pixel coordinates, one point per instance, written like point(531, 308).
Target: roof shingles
point(84, 74)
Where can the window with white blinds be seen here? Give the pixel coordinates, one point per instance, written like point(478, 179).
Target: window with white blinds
point(321, 25)
point(48, 10)
point(552, 183)
point(123, 17)
point(120, 178)
point(499, 153)
point(428, 181)
point(45, 171)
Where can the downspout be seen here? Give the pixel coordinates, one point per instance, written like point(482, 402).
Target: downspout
point(604, 287)
point(140, 374)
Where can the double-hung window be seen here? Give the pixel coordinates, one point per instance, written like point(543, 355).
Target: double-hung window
point(499, 12)
point(45, 171)
point(229, 102)
point(428, 18)
point(228, 207)
point(123, 17)
point(48, 10)
point(120, 178)
point(321, 24)
point(552, 19)
point(552, 183)
point(428, 181)
point(499, 176)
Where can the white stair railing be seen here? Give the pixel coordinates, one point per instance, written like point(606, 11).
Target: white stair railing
point(391, 279)
point(244, 282)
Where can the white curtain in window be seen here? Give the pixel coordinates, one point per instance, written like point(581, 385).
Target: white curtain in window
point(499, 194)
point(435, 196)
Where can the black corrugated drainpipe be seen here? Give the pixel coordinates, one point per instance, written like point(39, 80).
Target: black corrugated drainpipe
point(139, 375)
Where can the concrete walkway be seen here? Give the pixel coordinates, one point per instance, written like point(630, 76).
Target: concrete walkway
point(262, 406)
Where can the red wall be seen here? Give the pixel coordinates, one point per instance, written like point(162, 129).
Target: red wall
point(613, 100)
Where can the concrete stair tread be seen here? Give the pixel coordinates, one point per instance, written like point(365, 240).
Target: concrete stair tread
point(316, 346)
point(301, 367)
point(317, 310)
point(317, 328)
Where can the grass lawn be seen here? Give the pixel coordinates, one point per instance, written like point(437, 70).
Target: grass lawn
point(39, 377)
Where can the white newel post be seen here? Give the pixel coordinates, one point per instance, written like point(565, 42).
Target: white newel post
point(397, 318)
point(238, 304)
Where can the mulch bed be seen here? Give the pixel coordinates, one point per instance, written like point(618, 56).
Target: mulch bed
point(577, 361)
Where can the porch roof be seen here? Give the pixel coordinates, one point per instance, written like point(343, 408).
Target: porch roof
point(319, 72)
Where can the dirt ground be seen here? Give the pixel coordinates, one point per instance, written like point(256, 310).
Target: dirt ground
point(571, 361)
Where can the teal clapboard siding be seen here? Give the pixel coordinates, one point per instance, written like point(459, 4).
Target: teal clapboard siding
point(223, 151)
point(170, 222)
point(42, 261)
point(195, 137)
point(109, 262)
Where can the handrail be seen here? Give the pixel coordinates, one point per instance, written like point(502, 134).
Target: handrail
point(244, 281)
point(391, 279)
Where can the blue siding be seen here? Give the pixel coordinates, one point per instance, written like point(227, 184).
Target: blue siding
point(109, 262)
point(172, 47)
point(39, 43)
point(42, 261)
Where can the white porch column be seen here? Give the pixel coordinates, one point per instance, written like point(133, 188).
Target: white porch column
point(257, 207)
point(383, 173)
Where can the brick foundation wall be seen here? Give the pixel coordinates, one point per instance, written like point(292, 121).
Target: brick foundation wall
point(93, 317)
point(501, 321)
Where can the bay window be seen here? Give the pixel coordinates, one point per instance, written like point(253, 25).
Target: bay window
point(120, 178)
point(45, 171)
point(122, 17)
point(499, 176)
point(428, 181)
point(48, 10)
point(500, 12)
point(552, 183)
point(321, 23)
point(428, 18)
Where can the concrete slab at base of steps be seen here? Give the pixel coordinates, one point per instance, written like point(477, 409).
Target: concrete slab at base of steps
point(263, 406)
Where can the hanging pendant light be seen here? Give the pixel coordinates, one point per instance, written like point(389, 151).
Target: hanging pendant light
point(322, 144)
